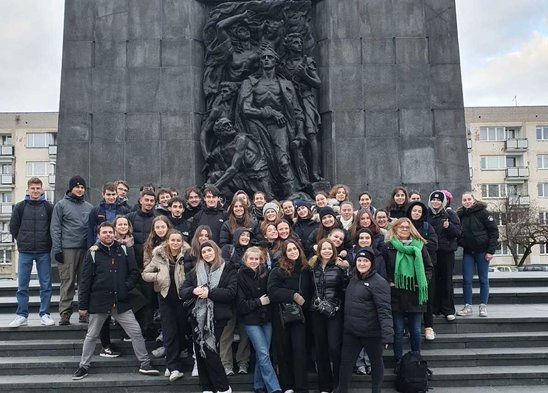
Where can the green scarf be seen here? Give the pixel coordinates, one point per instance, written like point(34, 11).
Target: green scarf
point(409, 270)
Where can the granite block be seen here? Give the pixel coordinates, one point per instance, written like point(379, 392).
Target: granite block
point(346, 87)
point(109, 90)
point(416, 162)
point(109, 7)
point(76, 90)
point(378, 51)
point(441, 18)
point(143, 127)
point(339, 51)
point(106, 167)
point(111, 27)
point(349, 159)
point(379, 83)
point(451, 159)
point(384, 168)
point(108, 127)
point(411, 50)
point(349, 124)
point(342, 15)
point(409, 18)
point(142, 162)
point(143, 53)
point(413, 86)
point(177, 127)
point(145, 19)
point(381, 124)
point(179, 161)
point(449, 122)
point(177, 53)
point(177, 90)
point(110, 54)
point(77, 54)
point(416, 123)
point(76, 127)
point(143, 90)
point(79, 21)
point(443, 50)
point(446, 87)
point(376, 19)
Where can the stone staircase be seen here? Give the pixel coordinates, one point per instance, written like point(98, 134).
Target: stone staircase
point(507, 352)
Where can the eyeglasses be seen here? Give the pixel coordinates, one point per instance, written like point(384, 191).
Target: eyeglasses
point(404, 228)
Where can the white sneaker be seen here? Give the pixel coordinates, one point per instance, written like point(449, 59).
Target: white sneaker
point(19, 321)
point(175, 375)
point(450, 317)
point(226, 391)
point(483, 310)
point(46, 320)
point(195, 370)
point(167, 373)
point(429, 334)
point(466, 311)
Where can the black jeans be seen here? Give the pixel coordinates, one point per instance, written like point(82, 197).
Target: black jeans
point(351, 348)
point(210, 369)
point(173, 327)
point(444, 301)
point(290, 346)
point(327, 341)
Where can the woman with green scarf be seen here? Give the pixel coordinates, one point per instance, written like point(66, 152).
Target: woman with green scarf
point(409, 269)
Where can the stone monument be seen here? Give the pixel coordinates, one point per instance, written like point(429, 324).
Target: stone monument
point(263, 94)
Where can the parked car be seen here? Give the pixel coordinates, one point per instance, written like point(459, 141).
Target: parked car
point(535, 268)
point(504, 268)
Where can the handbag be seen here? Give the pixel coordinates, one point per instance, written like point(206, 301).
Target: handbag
point(291, 312)
point(323, 306)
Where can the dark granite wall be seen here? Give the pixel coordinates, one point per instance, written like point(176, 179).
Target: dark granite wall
point(391, 100)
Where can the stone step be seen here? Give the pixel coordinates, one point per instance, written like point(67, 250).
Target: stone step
point(507, 295)
point(487, 340)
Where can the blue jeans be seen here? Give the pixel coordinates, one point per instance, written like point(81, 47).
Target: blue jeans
point(43, 268)
point(264, 375)
point(468, 262)
point(414, 320)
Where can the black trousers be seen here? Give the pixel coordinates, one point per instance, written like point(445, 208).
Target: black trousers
point(429, 313)
point(444, 300)
point(146, 314)
point(104, 334)
point(210, 369)
point(290, 347)
point(351, 348)
point(173, 327)
point(327, 341)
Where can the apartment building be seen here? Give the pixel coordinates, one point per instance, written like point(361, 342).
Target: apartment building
point(508, 158)
point(28, 148)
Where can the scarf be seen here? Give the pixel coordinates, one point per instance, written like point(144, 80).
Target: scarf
point(409, 270)
point(203, 310)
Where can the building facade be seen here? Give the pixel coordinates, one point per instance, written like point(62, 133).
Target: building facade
point(508, 159)
point(28, 148)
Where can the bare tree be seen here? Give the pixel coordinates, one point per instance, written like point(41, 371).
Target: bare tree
point(522, 228)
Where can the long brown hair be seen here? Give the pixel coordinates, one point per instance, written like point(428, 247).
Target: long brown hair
point(317, 258)
point(355, 227)
point(149, 243)
point(285, 263)
point(218, 258)
point(233, 221)
point(277, 244)
point(195, 244)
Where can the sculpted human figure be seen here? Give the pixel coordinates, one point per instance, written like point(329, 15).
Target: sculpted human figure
point(240, 164)
point(301, 69)
point(269, 111)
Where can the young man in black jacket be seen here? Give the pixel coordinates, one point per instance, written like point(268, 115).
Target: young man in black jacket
point(109, 273)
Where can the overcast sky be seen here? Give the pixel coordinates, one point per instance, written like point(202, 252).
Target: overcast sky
point(503, 48)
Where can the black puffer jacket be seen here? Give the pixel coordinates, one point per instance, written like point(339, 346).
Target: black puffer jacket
point(182, 225)
point(251, 286)
point(223, 296)
point(402, 299)
point(142, 225)
point(479, 229)
point(425, 229)
point(447, 237)
point(367, 310)
point(303, 228)
point(30, 225)
point(328, 284)
point(212, 217)
point(283, 285)
point(107, 279)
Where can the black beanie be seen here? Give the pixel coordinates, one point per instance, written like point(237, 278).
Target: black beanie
point(438, 195)
point(326, 211)
point(366, 252)
point(76, 181)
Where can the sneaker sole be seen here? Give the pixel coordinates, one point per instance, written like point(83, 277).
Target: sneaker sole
point(173, 379)
point(149, 372)
point(79, 378)
point(106, 355)
point(16, 326)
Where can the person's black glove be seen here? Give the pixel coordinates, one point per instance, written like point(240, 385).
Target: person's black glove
point(59, 257)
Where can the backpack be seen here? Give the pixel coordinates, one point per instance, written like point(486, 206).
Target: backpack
point(413, 374)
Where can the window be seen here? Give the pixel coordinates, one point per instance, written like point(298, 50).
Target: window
point(502, 250)
point(542, 133)
point(493, 190)
point(5, 255)
point(5, 197)
point(543, 217)
point(50, 195)
point(5, 140)
point(6, 169)
point(543, 248)
point(543, 189)
point(39, 168)
point(492, 134)
point(42, 139)
point(542, 161)
point(493, 162)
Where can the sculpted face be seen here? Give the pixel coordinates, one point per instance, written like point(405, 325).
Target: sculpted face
point(268, 60)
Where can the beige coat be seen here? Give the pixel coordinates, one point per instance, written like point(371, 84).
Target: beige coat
point(157, 271)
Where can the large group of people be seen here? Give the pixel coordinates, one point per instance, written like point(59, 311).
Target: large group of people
point(301, 282)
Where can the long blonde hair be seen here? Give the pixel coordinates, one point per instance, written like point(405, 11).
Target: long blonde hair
point(412, 230)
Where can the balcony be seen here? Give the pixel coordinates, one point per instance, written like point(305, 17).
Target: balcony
point(517, 173)
point(6, 180)
point(517, 144)
point(519, 200)
point(6, 208)
point(51, 179)
point(6, 151)
point(52, 150)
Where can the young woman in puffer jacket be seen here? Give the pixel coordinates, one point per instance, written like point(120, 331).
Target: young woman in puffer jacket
point(367, 320)
point(167, 271)
point(479, 240)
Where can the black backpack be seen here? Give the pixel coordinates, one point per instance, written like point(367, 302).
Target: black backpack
point(413, 374)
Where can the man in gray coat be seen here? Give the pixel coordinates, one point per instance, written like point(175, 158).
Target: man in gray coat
point(69, 229)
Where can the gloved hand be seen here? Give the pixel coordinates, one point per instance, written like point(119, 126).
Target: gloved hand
point(59, 257)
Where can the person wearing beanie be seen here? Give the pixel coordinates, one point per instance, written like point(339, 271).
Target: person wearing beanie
point(270, 206)
point(69, 233)
point(367, 320)
point(328, 221)
point(446, 224)
point(305, 224)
